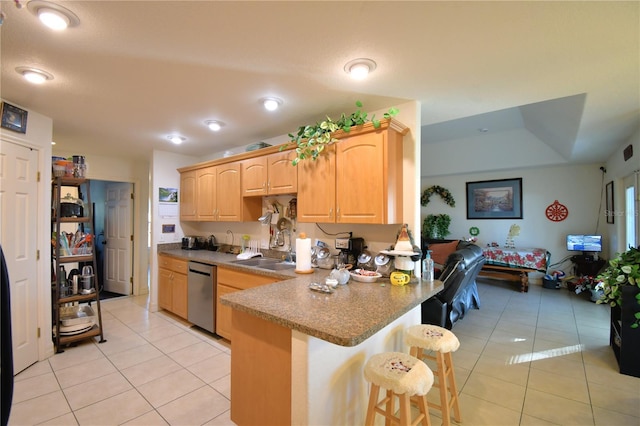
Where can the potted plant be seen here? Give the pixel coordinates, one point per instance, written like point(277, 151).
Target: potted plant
point(621, 284)
point(436, 226)
point(622, 275)
point(312, 139)
point(590, 284)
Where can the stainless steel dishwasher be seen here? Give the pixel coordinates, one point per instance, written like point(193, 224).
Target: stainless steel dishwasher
point(201, 294)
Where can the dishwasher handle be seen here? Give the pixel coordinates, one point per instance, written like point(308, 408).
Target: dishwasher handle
point(200, 268)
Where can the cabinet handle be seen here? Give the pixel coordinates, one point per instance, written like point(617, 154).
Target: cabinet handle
point(331, 212)
point(338, 213)
point(268, 186)
point(264, 187)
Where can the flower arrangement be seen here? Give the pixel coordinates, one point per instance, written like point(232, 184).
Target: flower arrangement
point(585, 283)
point(442, 192)
point(623, 270)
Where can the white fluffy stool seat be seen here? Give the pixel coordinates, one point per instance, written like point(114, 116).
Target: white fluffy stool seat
point(431, 338)
point(403, 376)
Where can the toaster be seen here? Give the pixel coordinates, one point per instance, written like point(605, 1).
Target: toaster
point(189, 243)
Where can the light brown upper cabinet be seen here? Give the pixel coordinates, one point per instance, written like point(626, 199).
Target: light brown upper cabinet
point(269, 175)
point(229, 203)
point(212, 193)
point(357, 180)
point(187, 197)
point(206, 203)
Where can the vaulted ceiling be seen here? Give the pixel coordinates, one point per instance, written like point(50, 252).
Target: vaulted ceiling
point(132, 72)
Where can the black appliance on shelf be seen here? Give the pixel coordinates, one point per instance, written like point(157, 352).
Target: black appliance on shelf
point(350, 249)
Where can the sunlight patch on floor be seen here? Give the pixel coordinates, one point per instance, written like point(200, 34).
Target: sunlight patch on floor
point(549, 353)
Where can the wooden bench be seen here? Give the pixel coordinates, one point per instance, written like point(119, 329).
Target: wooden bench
point(516, 274)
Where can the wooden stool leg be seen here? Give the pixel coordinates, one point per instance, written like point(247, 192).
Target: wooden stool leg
point(424, 409)
point(405, 409)
point(444, 388)
point(373, 401)
point(390, 408)
point(453, 388)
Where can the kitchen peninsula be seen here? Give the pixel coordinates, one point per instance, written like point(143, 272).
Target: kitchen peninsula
point(297, 355)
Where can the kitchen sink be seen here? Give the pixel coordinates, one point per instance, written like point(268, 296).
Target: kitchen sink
point(266, 263)
point(256, 261)
point(279, 266)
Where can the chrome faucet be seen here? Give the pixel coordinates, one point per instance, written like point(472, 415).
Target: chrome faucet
point(291, 257)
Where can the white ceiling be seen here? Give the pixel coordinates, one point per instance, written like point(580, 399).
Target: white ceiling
point(133, 72)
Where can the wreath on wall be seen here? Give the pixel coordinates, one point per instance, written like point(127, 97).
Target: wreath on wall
point(442, 192)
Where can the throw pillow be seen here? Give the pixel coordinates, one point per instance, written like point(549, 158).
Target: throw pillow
point(440, 252)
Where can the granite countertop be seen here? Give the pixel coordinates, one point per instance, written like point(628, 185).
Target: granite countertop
point(346, 317)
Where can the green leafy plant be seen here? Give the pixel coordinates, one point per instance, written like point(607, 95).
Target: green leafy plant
point(436, 226)
point(311, 140)
point(623, 270)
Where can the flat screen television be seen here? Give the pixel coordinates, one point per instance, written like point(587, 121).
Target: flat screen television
point(577, 242)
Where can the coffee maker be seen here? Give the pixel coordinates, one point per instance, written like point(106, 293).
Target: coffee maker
point(350, 249)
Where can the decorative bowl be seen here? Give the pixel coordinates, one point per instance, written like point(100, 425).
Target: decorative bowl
point(365, 276)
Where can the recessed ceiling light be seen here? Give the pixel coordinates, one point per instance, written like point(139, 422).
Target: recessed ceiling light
point(53, 15)
point(359, 68)
point(176, 139)
point(271, 104)
point(34, 75)
point(483, 130)
point(214, 125)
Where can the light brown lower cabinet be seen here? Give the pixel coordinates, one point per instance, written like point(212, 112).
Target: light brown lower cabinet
point(229, 281)
point(172, 285)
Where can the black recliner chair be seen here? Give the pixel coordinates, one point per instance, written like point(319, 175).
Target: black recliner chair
point(460, 291)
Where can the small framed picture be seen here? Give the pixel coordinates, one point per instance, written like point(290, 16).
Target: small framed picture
point(14, 118)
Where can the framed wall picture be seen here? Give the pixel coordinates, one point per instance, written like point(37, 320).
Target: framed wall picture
point(608, 212)
point(495, 199)
point(14, 118)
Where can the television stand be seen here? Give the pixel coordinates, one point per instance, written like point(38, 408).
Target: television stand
point(587, 264)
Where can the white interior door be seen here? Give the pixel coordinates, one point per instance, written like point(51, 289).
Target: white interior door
point(18, 236)
point(119, 239)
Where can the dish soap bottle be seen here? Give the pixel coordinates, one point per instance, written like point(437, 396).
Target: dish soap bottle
point(427, 267)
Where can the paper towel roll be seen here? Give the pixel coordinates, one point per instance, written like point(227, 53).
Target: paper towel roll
point(303, 253)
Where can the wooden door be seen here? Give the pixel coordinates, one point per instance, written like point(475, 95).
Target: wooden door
point(187, 195)
point(254, 176)
point(283, 176)
point(164, 289)
point(206, 194)
point(179, 295)
point(317, 188)
point(228, 192)
point(360, 183)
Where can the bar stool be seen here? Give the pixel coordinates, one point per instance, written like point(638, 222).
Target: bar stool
point(403, 376)
point(426, 337)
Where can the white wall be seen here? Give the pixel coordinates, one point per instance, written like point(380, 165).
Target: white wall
point(617, 170)
point(38, 136)
point(577, 187)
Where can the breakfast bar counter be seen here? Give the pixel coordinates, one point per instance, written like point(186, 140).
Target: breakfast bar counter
point(297, 355)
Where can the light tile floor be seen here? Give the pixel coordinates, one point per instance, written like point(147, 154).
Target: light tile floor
point(537, 358)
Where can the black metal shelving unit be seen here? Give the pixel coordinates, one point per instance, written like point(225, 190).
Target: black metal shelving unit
point(60, 257)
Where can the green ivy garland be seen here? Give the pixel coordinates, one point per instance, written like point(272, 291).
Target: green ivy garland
point(442, 192)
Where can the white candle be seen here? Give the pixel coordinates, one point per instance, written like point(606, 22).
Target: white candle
point(303, 253)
